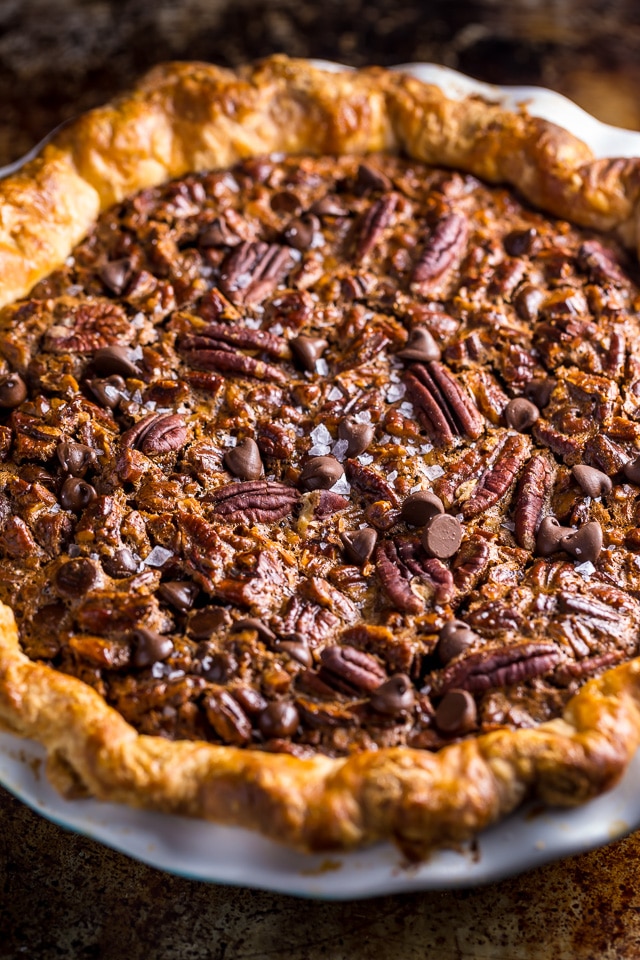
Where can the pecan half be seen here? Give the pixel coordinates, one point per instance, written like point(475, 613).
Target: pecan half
point(227, 717)
point(502, 667)
point(444, 407)
point(156, 433)
point(428, 569)
point(351, 670)
point(443, 251)
point(255, 501)
point(394, 579)
point(238, 336)
point(369, 481)
point(373, 224)
point(253, 270)
point(498, 479)
point(471, 563)
point(534, 490)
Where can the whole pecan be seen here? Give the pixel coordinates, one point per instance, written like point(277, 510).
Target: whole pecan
point(395, 579)
point(499, 477)
point(156, 433)
point(369, 481)
point(429, 569)
point(227, 717)
point(501, 667)
point(443, 251)
point(222, 358)
point(471, 563)
point(373, 223)
point(253, 501)
point(351, 670)
point(243, 337)
point(445, 409)
point(600, 264)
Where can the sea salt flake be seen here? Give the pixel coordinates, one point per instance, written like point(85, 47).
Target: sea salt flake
point(320, 434)
point(339, 449)
point(334, 394)
point(158, 557)
point(363, 417)
point(406, 409)
point(508, 525)
point(392, 476)
point(322, 367)
point(230, 441)
point(395, 392)
point(157, 671)
point(319, 450)
point(136, 354)
point(434, 471)
point(276, 329)
point(365, 459)
point(426, 448)
point(341, 486)
point(252, 323)
point(586, 569)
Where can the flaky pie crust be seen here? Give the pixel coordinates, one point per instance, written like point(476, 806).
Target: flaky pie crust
point(192, 117)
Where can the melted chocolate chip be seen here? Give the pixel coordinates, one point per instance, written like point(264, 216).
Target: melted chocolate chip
point(528, 301)
point(300, 232)
point(329, 206)
point(244, 461)
point(308, 350)
point(123, 563)
point(549, 536)
point(420, 507)
point(521, 414)
point(421, 347)
point(370, 178)
point(297, 650)
point(114, 360)
point(539, 391)
point(395, 696)
point(359, 544)
point(109, 392)
point(584, 544)
point(116, 275)
point(205, 623)
point(442, 536)
point(358, 435)
point(75, 494)
point(75, 458)
point(251, 701)
point(454, 638)
point(456, 713)
point(150, 647)
point(279, 719)
point(521, 243)
point(253, 623)
point(320, 473)
point(76, 577)
point(631, 471)
point(13, 390)
point(179, 594)
point(593, 482)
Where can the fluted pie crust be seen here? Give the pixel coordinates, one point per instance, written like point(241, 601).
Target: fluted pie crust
point(192, 117)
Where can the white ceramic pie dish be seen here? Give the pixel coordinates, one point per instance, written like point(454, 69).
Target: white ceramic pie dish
point(225, 855)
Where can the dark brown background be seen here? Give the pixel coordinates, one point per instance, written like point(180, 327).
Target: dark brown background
point(64, 896)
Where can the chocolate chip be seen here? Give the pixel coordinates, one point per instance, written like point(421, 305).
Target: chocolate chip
point(279, 719)
point(454, 638)
point(13, 390)
point(320, 473)
point(251, 701)
point(150, 647)
point(300, 232)
point(369, 178)
point(297, 650)
point(285, 202)
point(253, 623)
point(75, 458)
point(179, 594)
point(442, 536)
point(75, 494)
point(593, 482)
point(116, 274)
point(359, 544)
point(549, 536)
point(520, 243)
point(420, 507)
point(421, 347)
point(521, 414)
point(114, 360)
point(358, 435)
point(123, 563)
point(631, 471)
point(528, 301)
point(456, 712)
point(109, 392)
point(75, 577)
point(205, 623)
point(219, 667)
point(329, 206)
point(539, 390)
point(308, 350)
point(244, 461)
point(584, 544)
point(396, 695)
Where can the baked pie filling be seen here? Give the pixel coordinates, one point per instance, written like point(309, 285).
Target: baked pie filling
point(325, 455)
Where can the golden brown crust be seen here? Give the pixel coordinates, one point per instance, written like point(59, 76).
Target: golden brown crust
point(191, 117)
point(186, 117)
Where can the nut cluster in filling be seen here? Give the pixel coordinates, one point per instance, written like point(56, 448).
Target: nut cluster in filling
point(325, 454)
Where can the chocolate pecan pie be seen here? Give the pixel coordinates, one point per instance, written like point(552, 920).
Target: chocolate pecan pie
point(320, 477)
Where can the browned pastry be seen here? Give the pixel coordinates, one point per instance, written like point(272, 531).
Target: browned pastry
point(320, 485)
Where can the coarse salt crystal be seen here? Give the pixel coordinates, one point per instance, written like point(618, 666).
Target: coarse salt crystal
point(320, 434)
point(340, 449)
point(406, 409)
point(252, 322)
point(434, 471)
point(363, 417)
point(230, 441)
point(341, 486)
point(322, 367)
point(319, 450)
point(585, 569)
point(157, 671)
point(395, 392)
point(365, 459)
point(158, 557)
point(392, 476)
point(276, 329)
point(136, 354)
point(426, 448)
point(508, 525)
point(334, 394)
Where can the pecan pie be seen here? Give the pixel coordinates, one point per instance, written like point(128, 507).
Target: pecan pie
point(320, 472)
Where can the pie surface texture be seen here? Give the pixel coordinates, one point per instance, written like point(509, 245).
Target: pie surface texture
point(250, 320)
